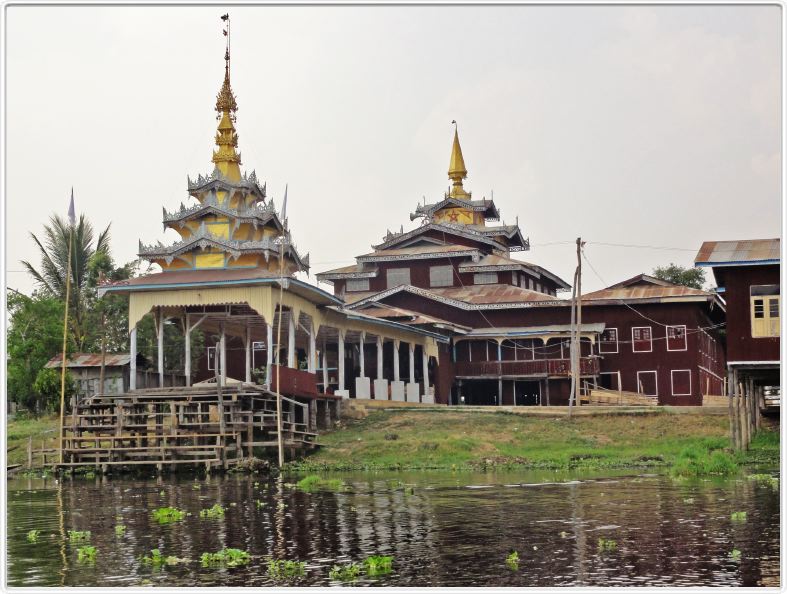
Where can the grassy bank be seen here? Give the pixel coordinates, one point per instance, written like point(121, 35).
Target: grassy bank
point(42, 429)
point(390, 439)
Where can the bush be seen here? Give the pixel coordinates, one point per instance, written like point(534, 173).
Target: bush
point(47, 388)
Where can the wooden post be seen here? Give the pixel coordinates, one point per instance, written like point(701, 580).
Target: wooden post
point(396, 344)
point(187, 340)
point(269, 354)
point(291, 341)
point(731, 414)
point(425, 364)
point(223, 343)
point(362, 363)
point(30, 452)
point(379, 360)
point(160, 333)
point(758, 404)
point(411, 362)
point(324, 366)
point(132, 378)
point(248, 353)
point(741, 418)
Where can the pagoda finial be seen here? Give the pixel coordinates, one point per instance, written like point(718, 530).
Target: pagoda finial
point(456, 168)
point(226, 158)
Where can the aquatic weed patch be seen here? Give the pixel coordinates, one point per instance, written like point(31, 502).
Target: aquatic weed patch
point(225, 558)
point(766, 480)
point(79, 535)
point(378, 564)
point(703, 459)
point(156, 559)
point(120, 529)
point(607, 545)
point(279, 569)
point(212, 512)
point(739, 516)
point(86, 554)
point(345, 573)
point(33, 536)
point(168, 515)
point(313, 483)
point(512, 561)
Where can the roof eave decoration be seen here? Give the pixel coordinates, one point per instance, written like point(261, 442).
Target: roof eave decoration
point(393, 239)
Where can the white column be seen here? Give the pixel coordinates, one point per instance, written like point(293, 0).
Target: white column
point(341, 360)
point(324, 367)
point(160, 326)
point(379, 357)
point(248, 353)
point(291, 341)
point(361, 361)
point(425, 362)
point(411, 362)
point(222, 356)
point(269, 353)
point(132, 380)
point(396, 344)
point(187, 360)
point(311, 363)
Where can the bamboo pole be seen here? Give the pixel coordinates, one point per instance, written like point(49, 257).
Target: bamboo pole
point(65, 338)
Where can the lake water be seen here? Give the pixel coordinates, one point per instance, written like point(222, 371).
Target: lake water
point(442, 528)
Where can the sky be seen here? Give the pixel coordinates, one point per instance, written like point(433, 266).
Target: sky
point(632, 125)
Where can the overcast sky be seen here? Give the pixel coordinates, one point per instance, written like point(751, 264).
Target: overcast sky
point(646, 125)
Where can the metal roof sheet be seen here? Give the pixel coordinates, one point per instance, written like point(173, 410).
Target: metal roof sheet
point(419, 250)
point(731, 253)
point(525, 330)
point(177, 277)
point(485, 294)
point(645, 292)
point(90, 360)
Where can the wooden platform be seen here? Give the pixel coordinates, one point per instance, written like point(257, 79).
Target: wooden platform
point(199, 426)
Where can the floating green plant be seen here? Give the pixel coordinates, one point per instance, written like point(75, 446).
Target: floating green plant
point(284, 569)
point(226, 558)
point(765, 479)
point(86, 554)
point(563, 534)
point(315, 483)
point(345, 573)
point(377, 564)
point(168, 515)
point(739, 516)
point(512, 561)
point(214, 512)
point(157, 559)
point(161, 493)
point(32, 535)
point(688, 500)
point(260, 503)
point(735, 555)
point(120, 529)
point(606, 545)
point(196, 486)
point(79, 535)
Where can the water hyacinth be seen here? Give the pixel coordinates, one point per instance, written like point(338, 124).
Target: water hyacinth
point(345, 573)
point(225, 558)
point(214, 512)
point(168, 515)
point(79, 535)
point(32, 535)
point(284, 569)
point(86, 554)
point(377, 564)
point(512, 561)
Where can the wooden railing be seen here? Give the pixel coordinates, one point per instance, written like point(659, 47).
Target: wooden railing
point(294, 382)
point(537, 367)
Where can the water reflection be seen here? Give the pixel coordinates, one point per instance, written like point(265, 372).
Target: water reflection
point(442, 529)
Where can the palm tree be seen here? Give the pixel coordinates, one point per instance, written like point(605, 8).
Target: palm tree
point(54, 263)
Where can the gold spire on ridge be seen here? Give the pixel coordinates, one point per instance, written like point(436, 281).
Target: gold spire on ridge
point(456, 167)
point(226, 158)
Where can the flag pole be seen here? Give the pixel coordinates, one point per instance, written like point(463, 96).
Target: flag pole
point(282, 241)
point(65, 327)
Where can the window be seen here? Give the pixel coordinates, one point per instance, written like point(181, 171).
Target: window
point(681, 382)
point(647, 383)
point(397, 276)
point(258, 345)
point(676, 338)
point(765, 314)
point(357, 284)
point(609, 380)
point(212, 358)
point(485, 278)
point(441, 276)
point(642, 339)
point(538, 287)
point(609, 341)
point(530, 283)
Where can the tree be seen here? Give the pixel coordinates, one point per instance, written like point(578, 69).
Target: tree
point(51, 278)
point(687, 277)
point(47, 389)
point(35, 335)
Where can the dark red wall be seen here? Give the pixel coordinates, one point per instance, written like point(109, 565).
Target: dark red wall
point(741, 346)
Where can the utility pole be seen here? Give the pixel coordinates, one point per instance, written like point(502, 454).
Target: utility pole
point(576, 324)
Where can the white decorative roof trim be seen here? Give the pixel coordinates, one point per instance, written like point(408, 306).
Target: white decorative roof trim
point(328, 276)
point(459, 230)
point(471, 252)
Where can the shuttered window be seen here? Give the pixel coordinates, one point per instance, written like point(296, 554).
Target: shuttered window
point(357, 284)
point(681, 382)
point(609, 341)
point(441, 276)
point(485, 278)
point(397, 276)
point(765, 311)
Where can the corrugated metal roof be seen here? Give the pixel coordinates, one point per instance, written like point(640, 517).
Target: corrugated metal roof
point(644, 292)
point(176, 277)
point(90, 360)
point(419, 250)
point(353, 296)
point(389, 311)
point(730, 253)
point(485, 294)
point(525, 330)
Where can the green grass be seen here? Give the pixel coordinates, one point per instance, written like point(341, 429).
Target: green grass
point(313, 483)
point(41, 429)
point(482, 440)
point(704, 458)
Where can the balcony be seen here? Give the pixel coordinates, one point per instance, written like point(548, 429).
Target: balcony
point(294, 382)
point(535, 368)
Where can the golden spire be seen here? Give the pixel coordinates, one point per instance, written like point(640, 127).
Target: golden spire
point(456, 168)
point(226, 158)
